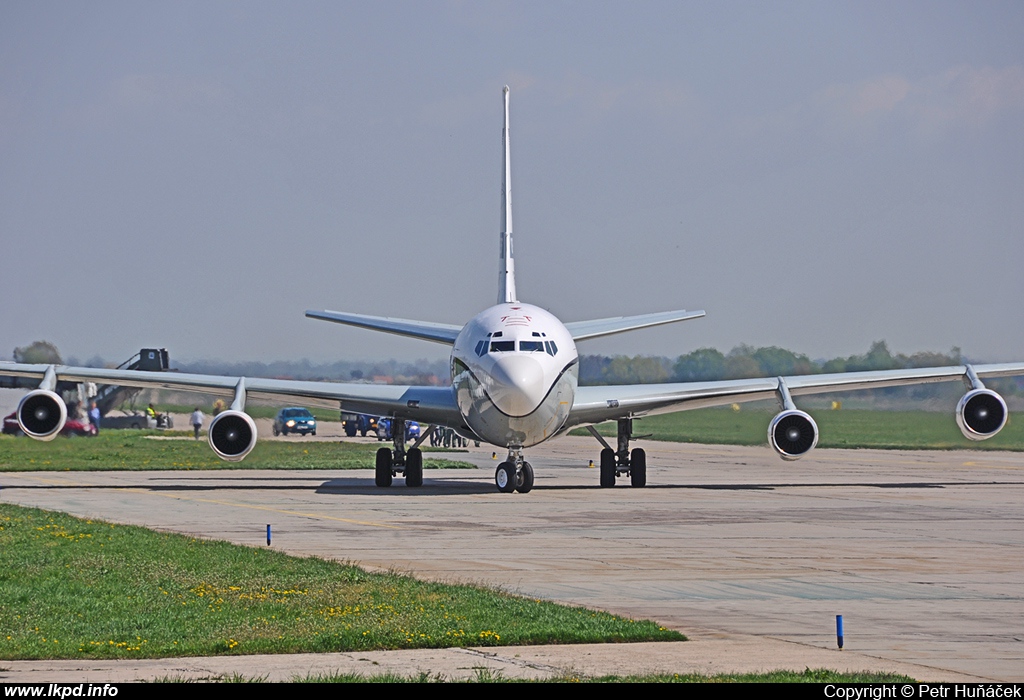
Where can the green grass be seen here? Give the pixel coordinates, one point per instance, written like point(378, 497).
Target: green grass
point(819, 675)
point(897, 430)
point(137, 450)
point(73, 588)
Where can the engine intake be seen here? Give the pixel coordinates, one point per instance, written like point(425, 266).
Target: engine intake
point(42, 414)
point(232, 435)
point(792, 434)
point(981, 414)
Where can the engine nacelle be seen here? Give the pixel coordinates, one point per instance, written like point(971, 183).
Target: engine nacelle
point(232, 435)
point(42, 414)
point(792, 434)
point(981, 414)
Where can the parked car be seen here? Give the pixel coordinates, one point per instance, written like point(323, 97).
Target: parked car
point(294, 420)
point(72, 427)
point(75, 427)
point(11, 426)
point(412, 429)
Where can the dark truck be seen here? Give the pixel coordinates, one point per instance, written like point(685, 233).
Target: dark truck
point(358, 423)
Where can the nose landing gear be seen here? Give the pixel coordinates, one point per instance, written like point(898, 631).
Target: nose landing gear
point(514, 474)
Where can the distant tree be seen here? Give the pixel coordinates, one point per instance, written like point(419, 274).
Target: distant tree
point(741, 367)
point(742, 350)
point(592, 369)
point(701, 365)
point(834, 366)
point(932, 359)
point(878, 357)
point(40, 352)
point(636, 370)
point(776, 361)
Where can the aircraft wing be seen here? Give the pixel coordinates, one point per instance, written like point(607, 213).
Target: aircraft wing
point(426, 404)
point(596, 404)
point(424, 330)
point(583, 330)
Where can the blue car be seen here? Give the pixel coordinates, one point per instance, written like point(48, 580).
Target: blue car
point(412, 429)
point(294, 420)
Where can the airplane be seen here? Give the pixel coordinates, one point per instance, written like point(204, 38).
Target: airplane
point(515, 371)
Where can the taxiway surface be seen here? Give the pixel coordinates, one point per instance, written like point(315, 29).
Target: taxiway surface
point(921, 552)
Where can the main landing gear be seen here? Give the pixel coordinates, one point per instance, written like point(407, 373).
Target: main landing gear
point(514, 474)
point(616, 463)
point(392, 462)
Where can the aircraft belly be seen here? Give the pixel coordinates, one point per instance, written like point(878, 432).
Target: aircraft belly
point(501, 429)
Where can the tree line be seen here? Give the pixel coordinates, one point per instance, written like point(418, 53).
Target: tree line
point(747, 361)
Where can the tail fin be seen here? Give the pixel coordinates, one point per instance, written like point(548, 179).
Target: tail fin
point(507, 274)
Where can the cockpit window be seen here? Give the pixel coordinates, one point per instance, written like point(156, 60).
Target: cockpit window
point(531, 346)
point(550, 346)
point(503, 346)
point(481, 348)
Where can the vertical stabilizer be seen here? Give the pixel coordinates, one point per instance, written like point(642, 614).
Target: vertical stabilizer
point(507, 274)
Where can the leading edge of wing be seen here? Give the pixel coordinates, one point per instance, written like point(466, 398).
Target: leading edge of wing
point(595, 404)
point(427, 404)
point(424, 330)
point(584, 330)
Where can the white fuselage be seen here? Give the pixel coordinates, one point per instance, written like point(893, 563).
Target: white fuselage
point(514, 372)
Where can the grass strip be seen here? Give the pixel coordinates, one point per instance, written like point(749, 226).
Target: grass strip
point(890, 430)
point(482, 675)
point(137, 450)
point(73, 588)
point(819, 675)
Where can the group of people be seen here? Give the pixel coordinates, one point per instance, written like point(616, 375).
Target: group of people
point(196, 419)
point(446, 437)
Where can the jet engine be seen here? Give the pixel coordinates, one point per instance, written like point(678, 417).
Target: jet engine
point(42, 414)
point(792, 434)
point(981, 414)
point(232, 435)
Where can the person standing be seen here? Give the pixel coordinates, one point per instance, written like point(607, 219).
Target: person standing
point(94, 417)
point(197, 421)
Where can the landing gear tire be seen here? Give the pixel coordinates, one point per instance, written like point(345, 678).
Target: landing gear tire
point(638, 468)
point(505, 477)
point(524, 480)
point(414, 467)
point(607, 468)
point(383, 471)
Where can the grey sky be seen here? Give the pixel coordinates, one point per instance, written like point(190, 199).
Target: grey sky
point(814, 175)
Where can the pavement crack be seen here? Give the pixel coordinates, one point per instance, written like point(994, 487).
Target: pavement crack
point(522, 663)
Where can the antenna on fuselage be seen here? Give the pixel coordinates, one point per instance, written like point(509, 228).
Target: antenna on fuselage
point(507, 274)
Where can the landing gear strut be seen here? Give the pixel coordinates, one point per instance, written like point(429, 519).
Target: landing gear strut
point(514, 474)
point(397, 460)
point(620, 462)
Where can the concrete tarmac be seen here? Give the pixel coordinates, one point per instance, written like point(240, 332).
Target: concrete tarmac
point(750, 556)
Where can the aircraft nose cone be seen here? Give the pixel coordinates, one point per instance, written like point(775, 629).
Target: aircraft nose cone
point(517, 385)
